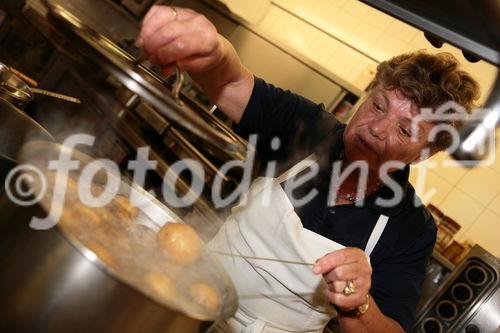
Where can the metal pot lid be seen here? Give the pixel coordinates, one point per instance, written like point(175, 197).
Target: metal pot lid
point(123, 239)
point(139, 79)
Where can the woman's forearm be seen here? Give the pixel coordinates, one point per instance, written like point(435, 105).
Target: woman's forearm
point(228, 84)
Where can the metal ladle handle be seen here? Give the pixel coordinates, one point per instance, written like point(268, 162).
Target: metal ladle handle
point(177, 85)
point(56, 95)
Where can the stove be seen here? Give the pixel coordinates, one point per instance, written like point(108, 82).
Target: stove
point(469, 302)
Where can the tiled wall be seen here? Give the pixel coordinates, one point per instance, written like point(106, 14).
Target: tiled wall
point(469, 196)
point(323, 48)
point(349, 38)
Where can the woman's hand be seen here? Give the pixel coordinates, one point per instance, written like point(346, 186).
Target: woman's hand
point(339, 267)
point(180, 36)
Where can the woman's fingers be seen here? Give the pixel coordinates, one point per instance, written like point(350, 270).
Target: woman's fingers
point(341, 257)
point(349, 264)
point(361, 285)
point(184, 38)
point(145, 27)
point(206, 35)
point(166, 34)
point(350, 302)
point(149, 14)
point(158, 16)
point(347, 272)
point(339, 286)
point(185, 47)
point(335, 293)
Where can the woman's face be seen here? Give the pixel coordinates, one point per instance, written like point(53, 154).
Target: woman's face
point(382, 130)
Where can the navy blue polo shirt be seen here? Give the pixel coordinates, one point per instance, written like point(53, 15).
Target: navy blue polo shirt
point(400, 257)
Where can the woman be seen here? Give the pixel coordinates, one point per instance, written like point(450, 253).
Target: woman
point(372, 255)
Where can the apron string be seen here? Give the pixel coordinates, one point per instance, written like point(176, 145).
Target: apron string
point(376, 234)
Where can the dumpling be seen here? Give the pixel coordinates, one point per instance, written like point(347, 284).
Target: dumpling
point(162, 286)
point(206, 296)
point(181, 242)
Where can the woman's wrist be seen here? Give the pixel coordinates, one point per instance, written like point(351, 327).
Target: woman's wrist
point(354, 312)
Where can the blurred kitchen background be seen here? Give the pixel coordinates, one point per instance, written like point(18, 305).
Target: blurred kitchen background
point(326, 50)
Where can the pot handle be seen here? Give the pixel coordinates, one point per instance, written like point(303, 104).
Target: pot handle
point(28, 80)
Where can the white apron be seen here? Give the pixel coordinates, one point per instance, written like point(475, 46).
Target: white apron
point(276, 296)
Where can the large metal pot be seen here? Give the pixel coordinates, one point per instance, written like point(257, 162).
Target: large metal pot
point(51, 282)
point(16, 129)
point(47, 285)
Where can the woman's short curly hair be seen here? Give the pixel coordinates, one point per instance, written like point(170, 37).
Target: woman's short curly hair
point(429, 80)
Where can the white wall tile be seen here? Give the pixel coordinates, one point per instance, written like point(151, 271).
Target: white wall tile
point(420, 42)
point(496, 158)
point(401, 31)
point(494, 206)
point(462, 208)
point(387, 47)
point(338, 3)
point(377, 18)
point(343, 25)
point(448, 169)
point(364, 36)
point(356, 8)
point(322, 49)
point(303, 36)
point(299, 7)
point(430, 187)
point(481, 183)
point(485, 232)
point(322, 13)
point(363, 74)
point(269, 19)
point(284, 26)
point(343, 61)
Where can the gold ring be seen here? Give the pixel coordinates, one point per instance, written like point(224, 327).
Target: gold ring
point(174, 11)
point(349, 288)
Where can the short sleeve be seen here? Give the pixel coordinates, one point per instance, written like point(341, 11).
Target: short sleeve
point(397, 280)
point(273, 113)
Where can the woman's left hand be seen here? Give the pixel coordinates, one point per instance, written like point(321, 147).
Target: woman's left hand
point(339, 267)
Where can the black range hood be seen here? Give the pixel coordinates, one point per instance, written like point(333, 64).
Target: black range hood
point(471, 25)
